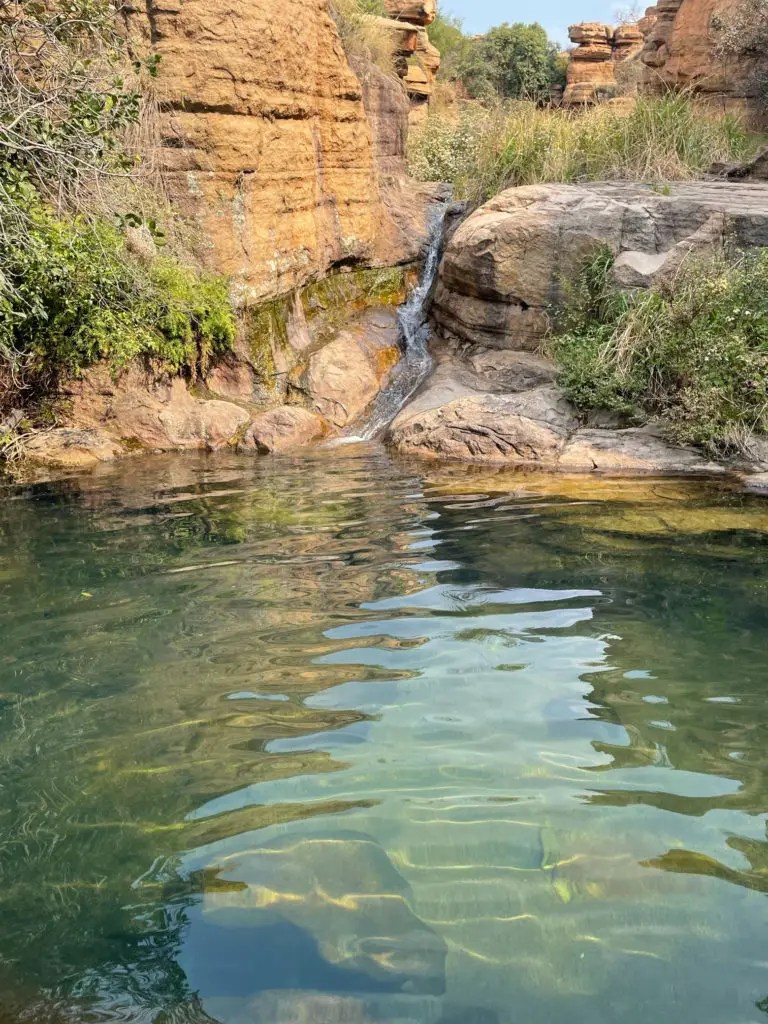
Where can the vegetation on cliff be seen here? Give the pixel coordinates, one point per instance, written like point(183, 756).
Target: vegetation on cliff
point(484, 150)
point(741, 36)
point(364, 38)
point(693, 352)
point(73, 195)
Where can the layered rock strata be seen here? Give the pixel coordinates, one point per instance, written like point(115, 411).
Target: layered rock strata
point(592, 64)
point(266, 143)
point(418, 61)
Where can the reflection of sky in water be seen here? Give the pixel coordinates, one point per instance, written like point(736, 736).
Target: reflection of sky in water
point(521, 781)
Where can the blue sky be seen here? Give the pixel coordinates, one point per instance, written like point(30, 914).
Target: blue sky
point(554, 15)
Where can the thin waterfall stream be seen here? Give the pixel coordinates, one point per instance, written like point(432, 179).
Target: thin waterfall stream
point(416, 363)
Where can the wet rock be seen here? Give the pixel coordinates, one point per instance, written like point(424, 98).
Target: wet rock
point(284, 429)
point(757, 482)
point(631, 450)
point(345, 375)
point(532, 426)
point(502, 407)
point(66, 448)
point(157, 414)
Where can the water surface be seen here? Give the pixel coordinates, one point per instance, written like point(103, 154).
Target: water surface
point(338, 738)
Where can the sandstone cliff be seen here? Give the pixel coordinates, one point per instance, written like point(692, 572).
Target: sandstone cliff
point(266, 142)
point(678, 53)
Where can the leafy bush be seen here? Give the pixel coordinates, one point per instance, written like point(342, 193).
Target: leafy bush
point(484, 151)
point(71, 292)
point(74, 294)
point(695, 354)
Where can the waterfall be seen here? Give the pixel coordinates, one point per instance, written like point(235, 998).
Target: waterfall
point(414, 334)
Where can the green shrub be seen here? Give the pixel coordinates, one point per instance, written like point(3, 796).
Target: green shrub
point(484, 151)
point(695, 354)
point(73, 294)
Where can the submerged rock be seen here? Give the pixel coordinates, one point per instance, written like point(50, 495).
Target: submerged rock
point(65, 448)
point(335, 910)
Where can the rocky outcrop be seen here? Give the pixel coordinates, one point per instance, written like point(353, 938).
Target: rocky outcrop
point(505, 267)
point(472, 413)
point(679, 53)
point(265, 141)
point(493, 398)
point(417, 60)
point(289, 390)
point(417, 12)
point(592, 63)
point(65, 448)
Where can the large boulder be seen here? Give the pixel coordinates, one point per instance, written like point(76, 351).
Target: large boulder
point(508, 265)
point(526, 427)
point(284, 429)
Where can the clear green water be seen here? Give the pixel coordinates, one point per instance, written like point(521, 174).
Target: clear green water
point(332, 739)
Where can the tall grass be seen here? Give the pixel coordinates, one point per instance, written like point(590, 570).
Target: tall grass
point(483, 151)
point(694, 354)
point(364, 38)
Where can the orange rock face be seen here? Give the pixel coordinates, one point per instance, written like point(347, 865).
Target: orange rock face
point(678, 53)
point(592, 63)
point(265, 140)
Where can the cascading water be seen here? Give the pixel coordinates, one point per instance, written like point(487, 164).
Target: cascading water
point(414, 332)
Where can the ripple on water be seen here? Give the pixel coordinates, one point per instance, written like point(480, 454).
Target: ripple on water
point(338, 738)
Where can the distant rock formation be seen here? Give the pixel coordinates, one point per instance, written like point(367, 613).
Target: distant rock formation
point(417, 59)
point(592, 64)
point(679, 53)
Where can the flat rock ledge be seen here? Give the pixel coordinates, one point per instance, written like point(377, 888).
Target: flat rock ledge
point(462, 415)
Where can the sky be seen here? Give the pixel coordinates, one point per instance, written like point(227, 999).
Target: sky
point(554, 15)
